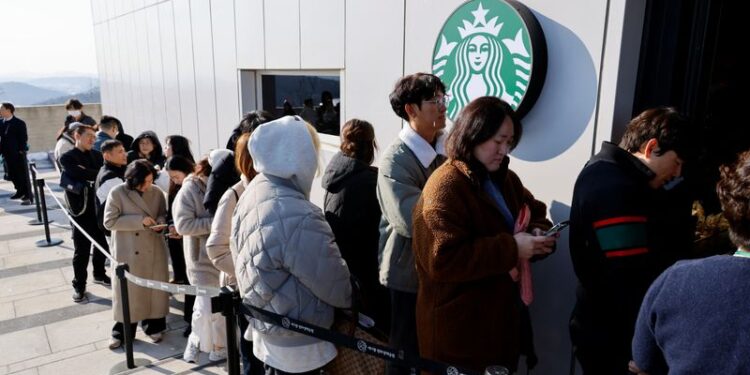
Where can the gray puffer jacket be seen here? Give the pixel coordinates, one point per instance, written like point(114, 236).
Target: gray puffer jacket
point(287, 260)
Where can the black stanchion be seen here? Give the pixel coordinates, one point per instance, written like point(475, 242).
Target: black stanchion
point(47, 242)
point(127, 329)
point(38, 220)
point(229, 300)
point(128, 334)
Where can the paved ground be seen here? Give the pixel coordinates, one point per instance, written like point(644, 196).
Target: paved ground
point(42, 331)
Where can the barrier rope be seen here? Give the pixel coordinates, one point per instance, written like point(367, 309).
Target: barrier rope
point(93, 242)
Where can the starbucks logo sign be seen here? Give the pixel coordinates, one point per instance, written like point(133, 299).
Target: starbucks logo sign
point(491, 48)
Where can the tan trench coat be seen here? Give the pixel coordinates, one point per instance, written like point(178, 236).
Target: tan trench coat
point(144, 250)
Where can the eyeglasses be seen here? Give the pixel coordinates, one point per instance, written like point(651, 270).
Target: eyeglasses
point(443, 100)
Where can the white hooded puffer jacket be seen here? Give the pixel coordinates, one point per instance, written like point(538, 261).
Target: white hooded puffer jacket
point(287, 260)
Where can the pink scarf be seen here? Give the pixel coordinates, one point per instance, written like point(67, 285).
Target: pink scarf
point(521, 273)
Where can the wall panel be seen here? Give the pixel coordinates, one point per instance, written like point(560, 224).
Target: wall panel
point(186, 71)
point(250, 34)
point(225, 65)
point(170, 68)
point(158, 107)
point(145, 91)
point(203, 58)
point(322, 34)
point(282, 34)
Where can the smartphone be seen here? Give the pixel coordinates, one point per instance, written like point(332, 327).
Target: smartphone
point(557, 228)
point(158, 226)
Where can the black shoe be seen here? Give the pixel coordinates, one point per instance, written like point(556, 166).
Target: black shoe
point(187, 331)
point(103, 280)
point(27, 202)
point(17, 195)
point(79, 296)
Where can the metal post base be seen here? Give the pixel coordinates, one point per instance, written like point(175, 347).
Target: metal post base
point(123, 366)
point(52, 242)
point(35, 222)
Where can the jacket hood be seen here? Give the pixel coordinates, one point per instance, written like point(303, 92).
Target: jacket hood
point(216, 156)
point(154, 139)
point(283, 148)
point(339, 169)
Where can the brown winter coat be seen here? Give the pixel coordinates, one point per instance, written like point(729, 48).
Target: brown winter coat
point(144, 250)
point(467, 305)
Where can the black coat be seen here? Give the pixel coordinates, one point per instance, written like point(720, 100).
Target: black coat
point(83, 167)
point(223, 176)
point(13, 138)
point(352, 210)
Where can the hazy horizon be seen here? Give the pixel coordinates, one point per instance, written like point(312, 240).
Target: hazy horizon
point(46, 38)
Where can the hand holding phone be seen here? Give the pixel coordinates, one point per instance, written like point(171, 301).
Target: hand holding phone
point(557, 228)
point(157, 227)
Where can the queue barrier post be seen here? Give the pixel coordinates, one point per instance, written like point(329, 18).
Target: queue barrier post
point(47, 242)
point(38, 220)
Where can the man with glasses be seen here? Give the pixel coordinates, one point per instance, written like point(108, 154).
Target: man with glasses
point(80, 166)
point(405, 166)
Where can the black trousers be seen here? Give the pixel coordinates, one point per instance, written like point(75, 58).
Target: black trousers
point(250, 364)
point(177, 255)
point(403, 328)
point(18, 172)
point(82, 250)
point(150, 327)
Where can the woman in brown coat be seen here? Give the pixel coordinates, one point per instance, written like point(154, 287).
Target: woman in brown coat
point(131, 210)
point(468, 304)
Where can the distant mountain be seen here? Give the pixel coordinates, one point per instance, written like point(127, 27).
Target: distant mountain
point(68, 85)
point(21, 94)
point(90, 96)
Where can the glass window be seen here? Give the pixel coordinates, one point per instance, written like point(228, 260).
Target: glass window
point(315, 98)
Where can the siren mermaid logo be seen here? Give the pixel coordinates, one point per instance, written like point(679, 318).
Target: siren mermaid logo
point(485, 48)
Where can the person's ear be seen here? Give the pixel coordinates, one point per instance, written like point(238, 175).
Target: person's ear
point(651, 146)
point(411, 109)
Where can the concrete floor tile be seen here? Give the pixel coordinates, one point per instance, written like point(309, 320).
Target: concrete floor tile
point(94, 363)
point(7, 311)
point(79, 331)
point(23, 345)
point(43, 303)
point(32, 364)
point(4, 249)
point(35, 255)
point(31, 371)
point(35, 281)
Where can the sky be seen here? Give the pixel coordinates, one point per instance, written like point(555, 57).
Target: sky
point(42, 38)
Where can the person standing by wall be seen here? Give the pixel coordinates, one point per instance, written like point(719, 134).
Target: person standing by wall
point(405, 167)
point(351, 208)
point(80, 166)
point(131, 213)
point(13, 145)
point(75, 114)
point(614, 239)
point(107, 131)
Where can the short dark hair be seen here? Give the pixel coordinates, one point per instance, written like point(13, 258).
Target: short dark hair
point(137, 171)
point(251, 120)
point(478, 122)
point(9, 106)
point(358, 140)
point(73, 103)
point(109, 122)
point(110, 145)
point(671, 130)
point(413, 89)
point(80, 129)
point(733, 190)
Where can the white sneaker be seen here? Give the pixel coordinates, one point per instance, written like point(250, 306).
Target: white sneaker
point(191, 353)
point(217, 355)
point(114, 343)
point(156, 337)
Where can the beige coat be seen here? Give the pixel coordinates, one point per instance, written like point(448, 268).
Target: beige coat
point(193, 222)
point(221, 229)
point(144, 250)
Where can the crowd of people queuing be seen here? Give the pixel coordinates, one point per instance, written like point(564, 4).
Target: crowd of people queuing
point(438, 239)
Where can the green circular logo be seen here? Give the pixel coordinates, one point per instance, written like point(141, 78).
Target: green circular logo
point(491, 48)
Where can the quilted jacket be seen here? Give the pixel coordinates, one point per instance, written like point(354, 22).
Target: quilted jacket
point(287, 260)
